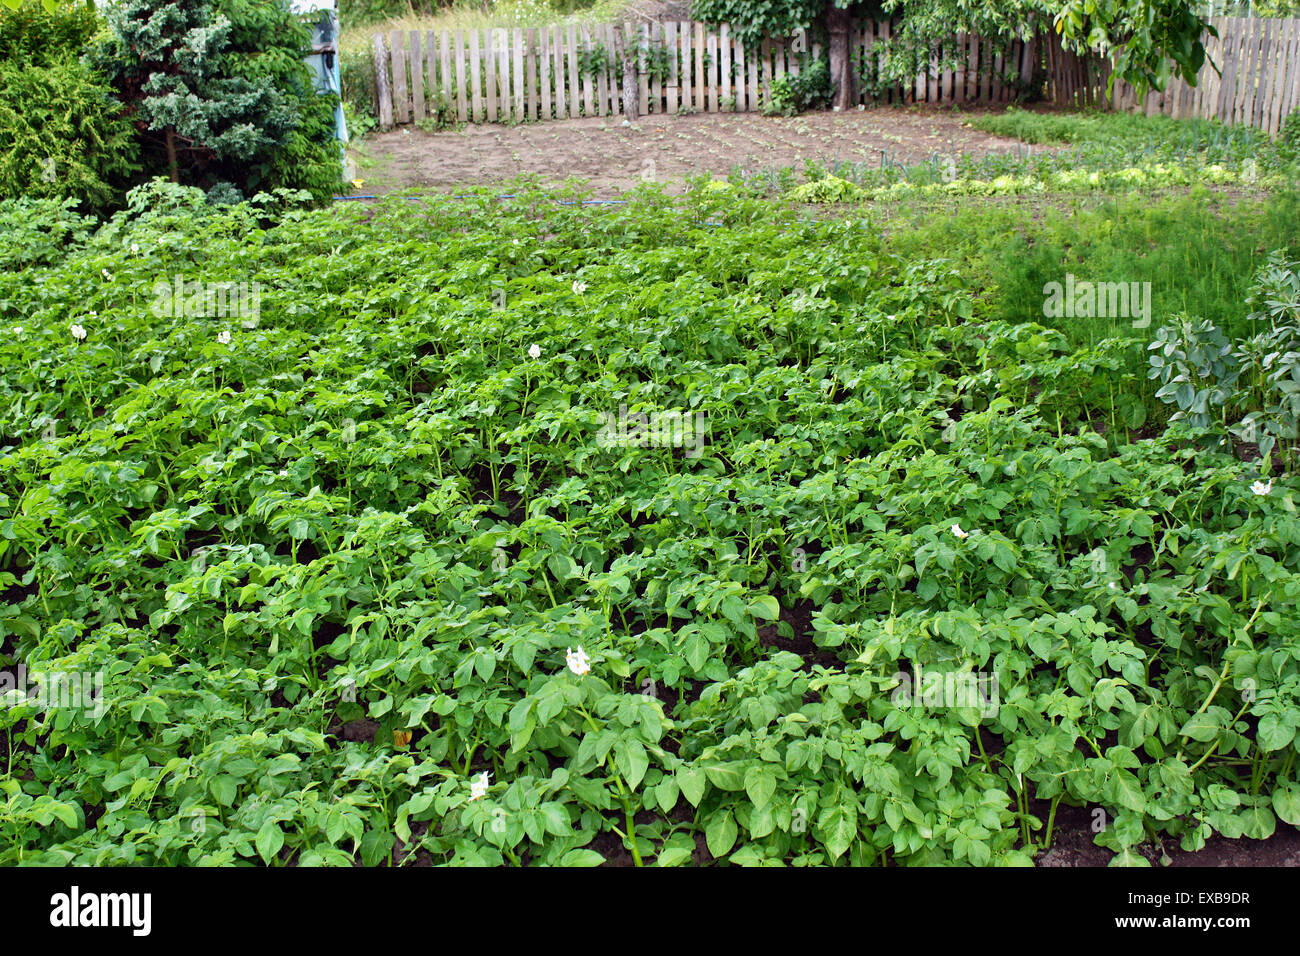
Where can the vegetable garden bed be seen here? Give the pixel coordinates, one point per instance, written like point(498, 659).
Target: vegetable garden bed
point(513, 532)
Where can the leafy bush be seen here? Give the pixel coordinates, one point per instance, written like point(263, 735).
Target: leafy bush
point(1258, 378)
point(1288, 138)
point(222, 95)
point(38, 231)
point(42, 37)
point(1194, 362)
point(1270, 360)
point(357, 77)
point(810, 89)
point(355, 12)
point(63, 134)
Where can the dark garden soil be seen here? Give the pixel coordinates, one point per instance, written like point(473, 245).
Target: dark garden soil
point(1072, 845)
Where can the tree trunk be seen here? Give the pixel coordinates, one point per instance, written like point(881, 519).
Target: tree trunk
point(631, 100)
point(838, 25)
point(173, 168)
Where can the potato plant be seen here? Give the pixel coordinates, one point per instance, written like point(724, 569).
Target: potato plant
point(365, 583)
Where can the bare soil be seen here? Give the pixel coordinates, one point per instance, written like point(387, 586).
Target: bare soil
point(1072, 846)
point(613, 158)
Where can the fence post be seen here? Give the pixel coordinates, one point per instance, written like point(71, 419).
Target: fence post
point(401, 99)
point(382, 88)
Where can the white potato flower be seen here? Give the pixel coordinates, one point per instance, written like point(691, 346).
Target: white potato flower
point(577, 660)
point(478, 786)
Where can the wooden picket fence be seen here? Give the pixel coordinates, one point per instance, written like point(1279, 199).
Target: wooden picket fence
point(514, 75)
point(1257, 82)
point(1260, 83)
point(1072, 79)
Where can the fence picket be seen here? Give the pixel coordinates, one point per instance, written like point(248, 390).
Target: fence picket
point(641, 33)
point(573, 44)
point(401, 100)
point(1291, 78)
point(724, 65)
point(480, 79)
point(530, 74)
point(383, 91)
point(1268, 76)
point(1227, 81)
point(712, 69)
point(437, 69)
point(587, 76)
point(417, 78)
point(1259, 85)
point(519, 112)
point(1278, 74)
point(700, 85)
point(1245, 74)
point(544, 71)
point(959, 71)
point(556, 40)
point(458, 54)
point(756, 100)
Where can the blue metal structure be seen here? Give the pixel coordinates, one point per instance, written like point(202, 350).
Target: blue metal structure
point(324, 57)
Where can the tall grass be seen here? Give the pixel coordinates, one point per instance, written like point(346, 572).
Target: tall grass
point(1131, 133)
point(477, 16)
point(1199, 251)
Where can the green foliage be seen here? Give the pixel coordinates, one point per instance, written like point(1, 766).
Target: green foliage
point(221, 94)
point(1194, 362)
point(333, 559)
point(809, 89)
point(1255, 383)
point(64, 134)
point(596, 60)
point(31, 33)
point(1288, 138)
point(827, 189)
point(357, 77)
point(356, 12)
point(1089, 210)
point(1197, 263)
point(752, 20)
point(1130, 136)
point(658, 62)
point(1269, 381)
point(1151, 42)
point(37, 231)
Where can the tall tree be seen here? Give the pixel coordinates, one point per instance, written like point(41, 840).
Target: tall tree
point(220, 93)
